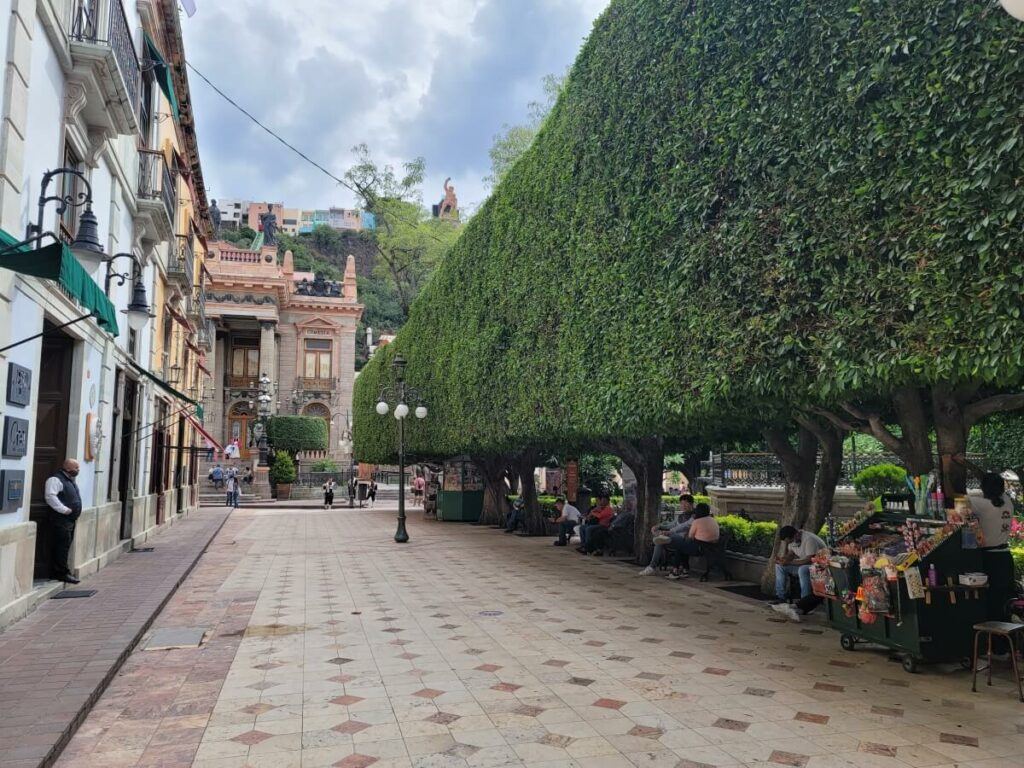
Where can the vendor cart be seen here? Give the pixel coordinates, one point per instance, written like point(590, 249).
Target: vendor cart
point(893, 605)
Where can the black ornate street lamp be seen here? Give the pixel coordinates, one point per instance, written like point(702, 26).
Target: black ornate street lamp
point(86, 246)
point(263, 400)
point(401, 392)
point(138, 310)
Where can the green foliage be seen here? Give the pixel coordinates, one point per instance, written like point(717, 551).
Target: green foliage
point(241, 237)
point(1001, 439)
point(872, 482)
point(294, 434)
point(282, 471)
point(514, 140)
point(597, 471)
point(325, 465)
point(1018, 561)
point(748, 536)
point(734, 209)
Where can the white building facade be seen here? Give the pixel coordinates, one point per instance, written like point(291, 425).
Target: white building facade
point(85, 88)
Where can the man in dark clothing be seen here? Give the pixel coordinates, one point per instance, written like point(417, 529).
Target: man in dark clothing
point(65, 502)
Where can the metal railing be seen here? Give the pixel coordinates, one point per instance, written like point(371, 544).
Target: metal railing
point(765, 469)
point(86, 28)
point(156, 181)
point(184, 264)
point(307, 384)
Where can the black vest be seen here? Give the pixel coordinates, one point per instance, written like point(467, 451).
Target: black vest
point(69, 495)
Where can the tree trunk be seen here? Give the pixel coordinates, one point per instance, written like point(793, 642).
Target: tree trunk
point(525, 464)
point(950, 439)
point(916, 444)
point(691, 467)
point(646, 459)
point(799, 467)
point(830, 468)
point(495, 502)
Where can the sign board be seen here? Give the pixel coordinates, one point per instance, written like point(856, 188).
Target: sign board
point(572, 481)
point(15, 444)
point(12, 489)
point(19, 384)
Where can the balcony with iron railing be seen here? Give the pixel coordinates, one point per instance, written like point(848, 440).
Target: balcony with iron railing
point(315, 384)
point(103, 55)
point(157, 191)
point(181, 266)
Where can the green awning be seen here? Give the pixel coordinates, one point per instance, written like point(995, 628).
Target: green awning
point(164, 385)
point(56, 262)
point(162, 73)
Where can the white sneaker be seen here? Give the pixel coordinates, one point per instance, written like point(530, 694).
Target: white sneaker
point(646, 571)
point(787, 610)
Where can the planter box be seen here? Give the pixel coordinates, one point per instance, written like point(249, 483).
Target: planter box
point(284, 491)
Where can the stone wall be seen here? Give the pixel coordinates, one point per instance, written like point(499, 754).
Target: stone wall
point(765, 503)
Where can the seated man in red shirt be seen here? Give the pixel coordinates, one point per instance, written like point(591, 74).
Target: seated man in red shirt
point(598, 517)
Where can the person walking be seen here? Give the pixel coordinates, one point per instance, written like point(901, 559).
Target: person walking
point(371, 492)
point(329, 493)
point(65, 502)
point(217, 476)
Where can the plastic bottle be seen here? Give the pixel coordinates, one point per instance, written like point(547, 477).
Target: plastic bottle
point(933, 576)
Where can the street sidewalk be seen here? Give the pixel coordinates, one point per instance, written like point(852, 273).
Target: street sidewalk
point(55, 663)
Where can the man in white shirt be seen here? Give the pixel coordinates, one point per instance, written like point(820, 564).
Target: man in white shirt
point(65, 502)
point(798, 549)
point(568, 517)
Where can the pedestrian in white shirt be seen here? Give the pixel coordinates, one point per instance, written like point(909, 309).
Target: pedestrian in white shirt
point(65, 502)
point(568, 518)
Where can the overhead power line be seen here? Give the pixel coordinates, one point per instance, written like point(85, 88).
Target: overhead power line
point(289, 145)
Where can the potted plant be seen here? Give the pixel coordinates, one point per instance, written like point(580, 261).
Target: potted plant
point(282, 474)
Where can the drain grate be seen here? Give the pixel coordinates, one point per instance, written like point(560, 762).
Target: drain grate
point(175, 637)
point(141, 550)
point(72, 594)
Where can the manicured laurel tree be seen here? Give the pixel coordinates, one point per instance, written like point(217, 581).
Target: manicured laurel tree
point(294, 434)
point(735, 210)
point(872, 482)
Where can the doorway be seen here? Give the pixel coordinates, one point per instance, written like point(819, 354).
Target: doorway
point(239, 422)
point(51, 439)
point(126, 478)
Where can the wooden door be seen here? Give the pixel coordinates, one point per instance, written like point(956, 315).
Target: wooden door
point(51, 438)
point(238, 427)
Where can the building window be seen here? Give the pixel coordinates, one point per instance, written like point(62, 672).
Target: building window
point(245, 363)
point(72, 187)
point(318, 359)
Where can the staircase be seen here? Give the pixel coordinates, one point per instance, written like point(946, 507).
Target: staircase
point(211, 496)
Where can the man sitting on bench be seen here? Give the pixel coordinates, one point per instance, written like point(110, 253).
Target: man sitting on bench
point(599, 517)
point(704, 532)
point(568, 517)
point(795, 559)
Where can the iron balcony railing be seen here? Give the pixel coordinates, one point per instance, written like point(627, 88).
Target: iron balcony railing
point(86, 27)
point(184, 264)
point(156, 181)
point(311, 384)
point(765, 469)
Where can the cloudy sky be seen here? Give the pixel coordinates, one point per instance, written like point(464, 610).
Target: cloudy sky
point(407, 77)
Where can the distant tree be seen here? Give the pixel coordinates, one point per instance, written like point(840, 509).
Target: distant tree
point(514, 140)
point(242, 237)
point(409, 242)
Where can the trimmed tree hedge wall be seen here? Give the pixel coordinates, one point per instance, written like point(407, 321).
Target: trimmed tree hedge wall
point(734, 209)
point(294, 434)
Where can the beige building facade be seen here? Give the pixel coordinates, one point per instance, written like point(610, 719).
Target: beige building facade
point(294, 327)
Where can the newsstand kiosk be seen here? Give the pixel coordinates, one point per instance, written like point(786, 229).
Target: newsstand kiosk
point(911, 584)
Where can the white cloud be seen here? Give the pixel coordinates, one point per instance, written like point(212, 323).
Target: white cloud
point(407, 77)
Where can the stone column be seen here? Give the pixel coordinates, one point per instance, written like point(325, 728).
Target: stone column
point(268, 357)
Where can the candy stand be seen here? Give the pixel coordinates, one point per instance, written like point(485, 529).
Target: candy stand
point(907, 582)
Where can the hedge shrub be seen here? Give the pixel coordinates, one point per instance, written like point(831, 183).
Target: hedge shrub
point(747, 207)
point(294, 434)
point(282, 471)
point(872, 482)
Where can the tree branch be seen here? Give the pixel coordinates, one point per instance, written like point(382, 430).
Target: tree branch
point(778, 441)
point(822, 433)
point(876, 428)
point(836, 420)
point(978, 410)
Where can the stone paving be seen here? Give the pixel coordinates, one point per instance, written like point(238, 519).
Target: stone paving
point(329, 645)
point(56, 661)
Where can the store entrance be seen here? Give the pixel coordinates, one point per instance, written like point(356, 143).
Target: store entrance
point(51, 428)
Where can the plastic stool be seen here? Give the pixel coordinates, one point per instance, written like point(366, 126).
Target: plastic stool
point(1003, 629)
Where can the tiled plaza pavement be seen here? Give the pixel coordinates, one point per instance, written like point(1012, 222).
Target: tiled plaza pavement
point(329, 645)
point(55, 662)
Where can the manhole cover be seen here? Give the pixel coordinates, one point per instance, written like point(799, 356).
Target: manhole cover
point(491, 613)
point(71, 594)
point(175, 637)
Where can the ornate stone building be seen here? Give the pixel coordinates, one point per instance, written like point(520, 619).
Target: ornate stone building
point(295, 327)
